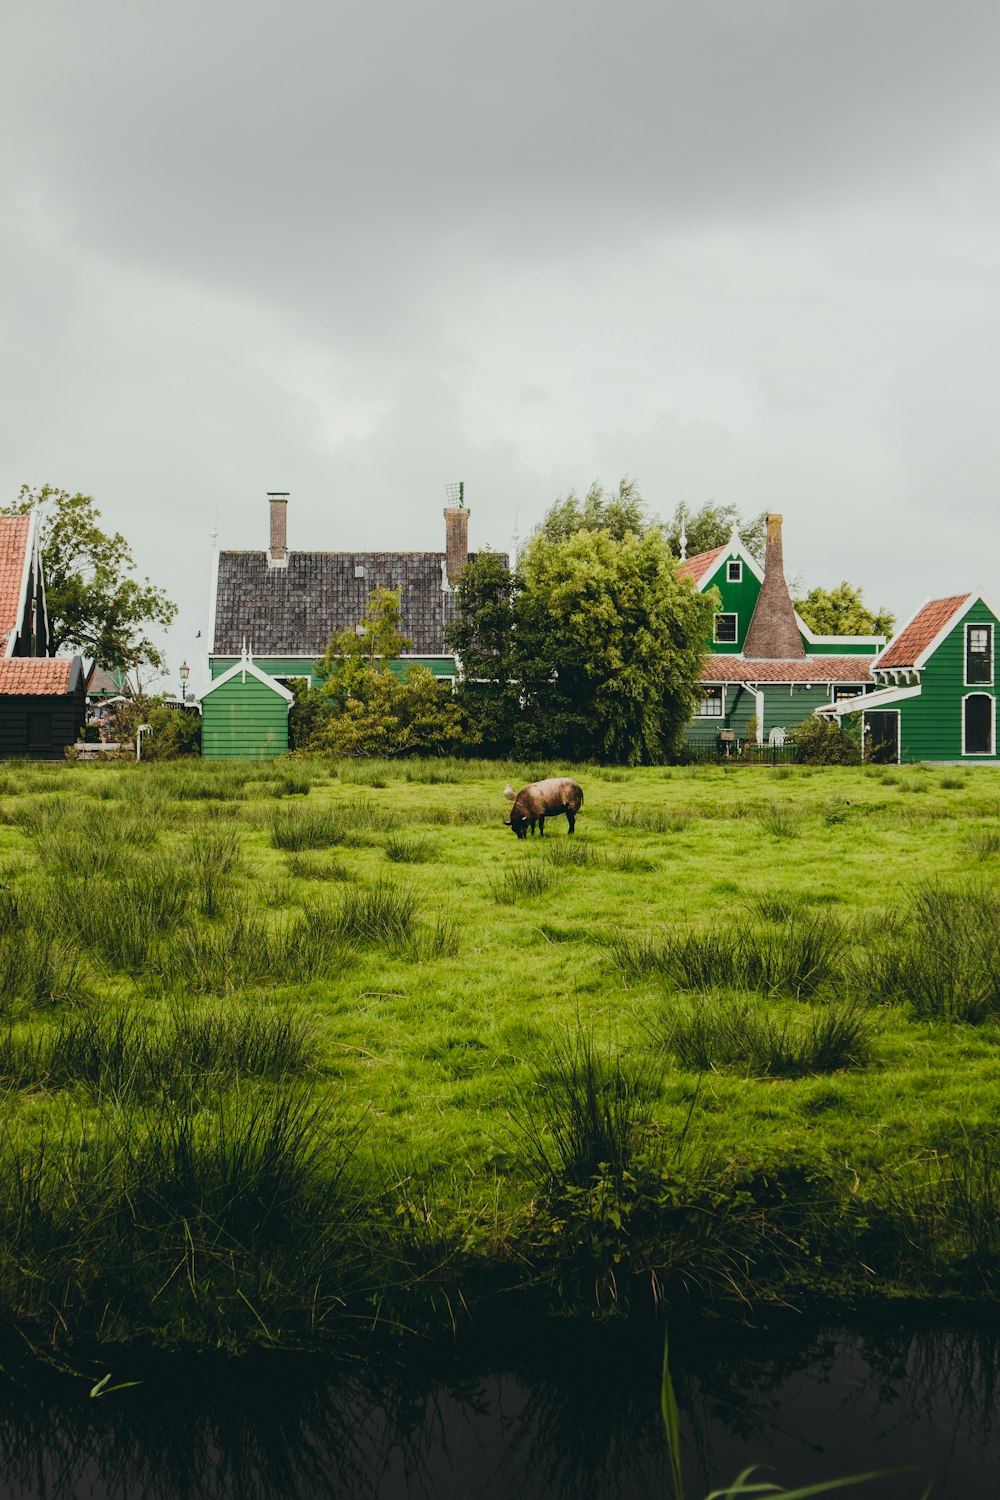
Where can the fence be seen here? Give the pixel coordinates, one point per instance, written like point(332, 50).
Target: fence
point(741, 753)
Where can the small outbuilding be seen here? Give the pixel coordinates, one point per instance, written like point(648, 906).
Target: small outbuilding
point(244, 714)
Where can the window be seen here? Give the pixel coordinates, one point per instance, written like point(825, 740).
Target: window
point(711, 704)
point(978, 653)
point(734, 572)
point(840, 693)
point(725, 630)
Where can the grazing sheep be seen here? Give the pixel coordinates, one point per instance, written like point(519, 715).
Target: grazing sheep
point(545, 799)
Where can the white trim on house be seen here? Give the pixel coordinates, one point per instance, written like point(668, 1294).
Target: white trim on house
point(247, 664)
point(731, 551)
point(731, 563)
point(874, 701)
point(838, 640)
point(981, 692)
point(979, 625)
point(29, 552)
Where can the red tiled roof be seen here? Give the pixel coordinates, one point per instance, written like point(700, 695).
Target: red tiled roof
point(921, 630)
point(696, 567)
point(14, 531)
point(36, 674)
point(808, 669)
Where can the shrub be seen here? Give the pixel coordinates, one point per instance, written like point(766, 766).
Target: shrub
point(822, 741)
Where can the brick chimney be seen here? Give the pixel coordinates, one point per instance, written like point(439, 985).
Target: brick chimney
point(456, 543)
point(773, 633)
point(277, 553)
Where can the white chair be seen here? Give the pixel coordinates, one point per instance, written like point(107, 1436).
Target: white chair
point(777, 736)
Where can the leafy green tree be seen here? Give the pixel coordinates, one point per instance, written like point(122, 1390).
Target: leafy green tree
point(620, 512)
point(96, 603)
point(821, 741)
point(842, 611)
point(608, 647)
point(712, 526)
point(173, 732)
point(362, 707)
point(483, 639)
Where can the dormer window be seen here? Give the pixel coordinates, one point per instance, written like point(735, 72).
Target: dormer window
point(978, 654)
point(734, 572)
point(725, 630)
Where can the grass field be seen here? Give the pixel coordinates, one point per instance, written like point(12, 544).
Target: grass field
point(295, 1046)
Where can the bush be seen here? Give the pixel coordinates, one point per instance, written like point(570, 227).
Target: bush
point(824, 742)
point(382, 715)
point(173, 732)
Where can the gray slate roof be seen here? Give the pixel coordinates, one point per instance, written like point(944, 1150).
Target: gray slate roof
point(294, 611)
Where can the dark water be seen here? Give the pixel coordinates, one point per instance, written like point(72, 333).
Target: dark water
point(572, 1416)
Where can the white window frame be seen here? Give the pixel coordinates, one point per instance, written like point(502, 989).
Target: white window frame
point(729, 614)
point(737, 577)
point(979, 693)
point(899, 734)
point(978, 625)
point(709, 687)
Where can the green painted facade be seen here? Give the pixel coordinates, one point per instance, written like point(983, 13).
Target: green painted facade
point(739, 599)
point(786, 705)
point(303, 666)
point(931, 724)
point(244, 718)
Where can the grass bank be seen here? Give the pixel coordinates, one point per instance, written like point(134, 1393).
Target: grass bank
point(289, 1050)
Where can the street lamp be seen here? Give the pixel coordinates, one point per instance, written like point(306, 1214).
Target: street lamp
point(185, 673)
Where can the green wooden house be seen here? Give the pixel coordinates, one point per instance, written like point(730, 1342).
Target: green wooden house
point(766, 671)
point(244, 714)
point(275, 610)
point(935, 696)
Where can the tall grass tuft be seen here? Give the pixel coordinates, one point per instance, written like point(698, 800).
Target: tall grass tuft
point(244, 1222)
point(402, 850)
point(379, 913)
point(298, 828)
point(796, 958)
point(514, 883)
point(215, 855)
point(714, 1035)
point(942, 959)
point(38, 967)
point(780, 822)
point(119, 1052)
point(587, 1113)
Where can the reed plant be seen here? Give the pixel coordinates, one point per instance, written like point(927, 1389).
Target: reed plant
point(403, 850)
point(295, 829)
point(251, 1220)
point(943, 959)
point(513, 883)
point(714, 1035)
point(796, 957)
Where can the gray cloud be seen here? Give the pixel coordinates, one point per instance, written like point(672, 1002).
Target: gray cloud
point(356, 250)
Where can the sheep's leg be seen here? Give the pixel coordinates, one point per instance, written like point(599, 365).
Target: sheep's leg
point(541, 828)
point(570, 819)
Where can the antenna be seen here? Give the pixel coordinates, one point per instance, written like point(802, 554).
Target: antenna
point(455, 494)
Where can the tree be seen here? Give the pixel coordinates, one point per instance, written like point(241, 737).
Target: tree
point(842, 611)
point(608, 646)
point(712, 526)
point(361, 707)
point(95, 603)
point(621, 513)
point(482, 637)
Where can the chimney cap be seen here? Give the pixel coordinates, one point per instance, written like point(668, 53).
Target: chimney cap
point(278, 494)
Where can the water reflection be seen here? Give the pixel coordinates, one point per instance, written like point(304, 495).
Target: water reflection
point(574, 1417)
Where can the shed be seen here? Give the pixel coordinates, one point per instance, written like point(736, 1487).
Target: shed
point(244, 714)
point(43, 705)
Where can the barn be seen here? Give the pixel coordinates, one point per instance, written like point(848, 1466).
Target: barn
point(42, 698)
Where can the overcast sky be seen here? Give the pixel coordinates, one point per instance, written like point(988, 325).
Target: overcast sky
point(746, 250)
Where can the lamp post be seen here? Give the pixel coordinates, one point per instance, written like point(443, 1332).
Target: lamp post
point(185, 672)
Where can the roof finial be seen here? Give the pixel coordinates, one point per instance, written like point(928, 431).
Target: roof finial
point(684, 537)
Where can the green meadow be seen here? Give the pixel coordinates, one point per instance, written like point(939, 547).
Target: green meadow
point(294, 1050)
